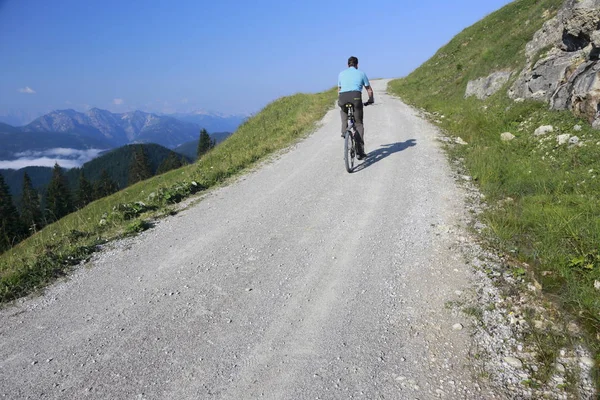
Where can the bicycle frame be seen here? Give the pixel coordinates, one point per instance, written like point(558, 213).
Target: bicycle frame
point(351, 127)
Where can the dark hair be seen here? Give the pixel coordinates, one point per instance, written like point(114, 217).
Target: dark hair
point(352, 61)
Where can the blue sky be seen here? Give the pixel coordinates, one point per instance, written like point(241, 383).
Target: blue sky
point(226, 56)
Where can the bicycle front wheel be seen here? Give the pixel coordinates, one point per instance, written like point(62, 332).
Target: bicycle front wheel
point(349, 152)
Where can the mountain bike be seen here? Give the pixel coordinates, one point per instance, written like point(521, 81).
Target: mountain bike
point(349, 141)
point(350, 138)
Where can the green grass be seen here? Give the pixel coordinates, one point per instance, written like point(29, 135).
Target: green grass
point(544, 198)
point(53, 251)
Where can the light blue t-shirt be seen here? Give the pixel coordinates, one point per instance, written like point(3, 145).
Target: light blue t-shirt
point(352, 79)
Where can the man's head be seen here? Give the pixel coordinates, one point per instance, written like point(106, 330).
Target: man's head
point(353, 62)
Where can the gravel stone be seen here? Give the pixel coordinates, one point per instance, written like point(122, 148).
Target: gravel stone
point(513, 362)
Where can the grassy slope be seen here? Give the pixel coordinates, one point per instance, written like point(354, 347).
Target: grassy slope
point(545, 204)
point(52, 251)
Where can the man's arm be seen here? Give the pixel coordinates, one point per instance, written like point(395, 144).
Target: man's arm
point(367, 85)
point(370, 92)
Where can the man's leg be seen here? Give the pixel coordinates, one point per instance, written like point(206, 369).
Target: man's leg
point(344, 98)
point(360, 128)
point(344, 119)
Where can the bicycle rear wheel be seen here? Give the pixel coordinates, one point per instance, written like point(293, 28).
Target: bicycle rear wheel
point(349, 151)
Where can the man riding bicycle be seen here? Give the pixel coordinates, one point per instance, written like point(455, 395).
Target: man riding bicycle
point(350, 84)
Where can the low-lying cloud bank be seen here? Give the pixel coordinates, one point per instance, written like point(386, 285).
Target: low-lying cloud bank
point(66, 158)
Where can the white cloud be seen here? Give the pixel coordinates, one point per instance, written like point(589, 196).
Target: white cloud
point(66, 158)
point(37, 162)
point(118, 102)
point(27, 90)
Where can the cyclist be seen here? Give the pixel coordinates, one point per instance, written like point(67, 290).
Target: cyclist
point(350, 84)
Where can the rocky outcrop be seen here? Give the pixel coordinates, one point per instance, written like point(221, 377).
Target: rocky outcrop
point(567, 71)
point(485, 87)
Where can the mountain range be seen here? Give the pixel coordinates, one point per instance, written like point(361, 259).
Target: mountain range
point(102, 129)
point(117, 129)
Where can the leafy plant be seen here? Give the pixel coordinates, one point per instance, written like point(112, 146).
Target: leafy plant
point(586, 262)
point(137, 226)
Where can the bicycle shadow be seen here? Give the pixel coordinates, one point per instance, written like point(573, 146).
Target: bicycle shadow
point(383, 152)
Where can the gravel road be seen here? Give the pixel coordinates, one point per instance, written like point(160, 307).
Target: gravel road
point(299, 281)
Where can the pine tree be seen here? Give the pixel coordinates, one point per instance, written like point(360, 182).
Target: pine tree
point(105, 186)
point(139, 168)
point(172, 161)
point(31, 212)
point(11, 229)
point(85, 191)
point(58, 201)
point(205, 143)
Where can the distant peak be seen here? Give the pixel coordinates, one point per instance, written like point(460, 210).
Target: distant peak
point(96, 110)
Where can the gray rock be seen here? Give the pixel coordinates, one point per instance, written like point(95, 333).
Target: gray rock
point(544, 129)
point(567, 75)
point(506, 136)
point(563, 139)
point(457, 327)
point(595, 38)
point(587, 361)
point(485, 87)
point(513, 362)
point(581, 92)
point(573, 140)
point(549, 34)
point(542, 81)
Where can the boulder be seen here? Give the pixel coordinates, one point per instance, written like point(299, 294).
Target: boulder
point(581, 92)
point(542, 130)
point(485, 87)
point(563, 139)
point(506, 136)
point(567, 75)
point(542, 81)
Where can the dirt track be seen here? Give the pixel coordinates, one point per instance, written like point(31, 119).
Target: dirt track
point(300, 281)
